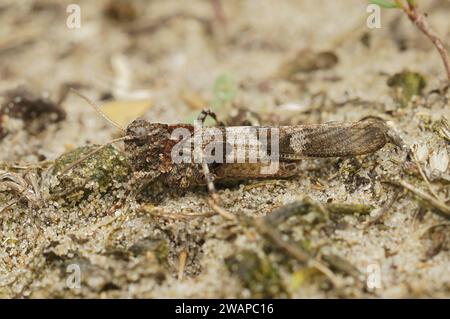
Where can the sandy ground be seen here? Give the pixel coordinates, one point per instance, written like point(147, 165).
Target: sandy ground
point(171, 53)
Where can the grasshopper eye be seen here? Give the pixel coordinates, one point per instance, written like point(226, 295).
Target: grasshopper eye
point(139, 136)
point(138, 130)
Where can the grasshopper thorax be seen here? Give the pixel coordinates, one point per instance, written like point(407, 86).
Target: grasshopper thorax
point(145, 143)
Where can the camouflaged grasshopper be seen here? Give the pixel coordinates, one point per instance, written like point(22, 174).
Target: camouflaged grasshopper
point(182, 156)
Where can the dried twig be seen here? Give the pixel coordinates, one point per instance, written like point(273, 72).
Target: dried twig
point(419, 19)
point(21, 188)
point(266, 226)
point(424, 177)
point(432, 227)
point(219, 210)
point(182, 258)
point(219, 13)
point(440, 207)
point(161, 213)
point(271, 233)
point(9, 205)
point(386, 207)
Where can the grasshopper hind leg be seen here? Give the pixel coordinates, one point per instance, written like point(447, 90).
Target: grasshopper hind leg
point(255, 171)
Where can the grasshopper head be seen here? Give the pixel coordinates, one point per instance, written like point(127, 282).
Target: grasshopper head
point(145, 143)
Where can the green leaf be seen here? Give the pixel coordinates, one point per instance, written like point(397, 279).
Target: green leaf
point(225, 90)
point(412, 3)
point(384, 4)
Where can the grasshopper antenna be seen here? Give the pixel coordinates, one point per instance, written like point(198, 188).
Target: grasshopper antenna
point(97, 109)
point(98, 149)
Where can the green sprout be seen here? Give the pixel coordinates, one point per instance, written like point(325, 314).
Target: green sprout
point(385, 4)
point(410, 8)
point(393, 4)
point(225, 91)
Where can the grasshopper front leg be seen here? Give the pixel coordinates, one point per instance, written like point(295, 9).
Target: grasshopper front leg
point(209, 178)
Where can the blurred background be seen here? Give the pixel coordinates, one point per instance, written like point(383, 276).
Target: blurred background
point(178, 54)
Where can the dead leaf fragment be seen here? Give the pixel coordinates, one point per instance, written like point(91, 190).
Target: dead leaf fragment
point(124, 112)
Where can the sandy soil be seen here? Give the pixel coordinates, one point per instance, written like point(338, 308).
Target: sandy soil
point(171, 53)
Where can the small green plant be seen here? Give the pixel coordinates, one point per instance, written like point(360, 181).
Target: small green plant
point(225, 91)
point(385, 4)
point(410, 8)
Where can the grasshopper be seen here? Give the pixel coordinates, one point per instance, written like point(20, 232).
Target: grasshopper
point(209, 154)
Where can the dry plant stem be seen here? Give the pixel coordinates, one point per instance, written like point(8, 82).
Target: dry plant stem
point(304, 207)
point(424, 177)
point(20, 188)
point(295, 252)
point(385, 209)
point(436, 201)
point(38, 166)
point(443, 209)
point(421, 22)
point(182, 258)
point(430, 228)
point(161, 213)
point(342, 265)
point(219, 210)
point(271, 233)
point(218, 11)
point(9, 205)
